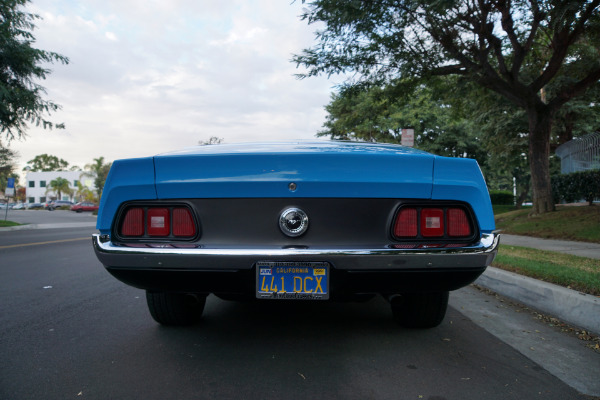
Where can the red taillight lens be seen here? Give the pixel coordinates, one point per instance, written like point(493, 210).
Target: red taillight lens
point(458, 223)
point(133, 223)
point(183, 223)
point(406, 223)
point(432, 222)
point(158, 221)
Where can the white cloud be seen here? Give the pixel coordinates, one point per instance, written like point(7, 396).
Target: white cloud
point(111, 36)
point(149, 76)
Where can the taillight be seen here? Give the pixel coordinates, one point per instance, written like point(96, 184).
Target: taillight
point(406, 223)
point(183, 223)
point(432, 222)
point(458, 223)
point(133, 223)
point(158, 222)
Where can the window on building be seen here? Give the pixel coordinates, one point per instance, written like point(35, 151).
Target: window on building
point(75, 183)
point(32, 200)
point(43, 199)
point(31, 183)
point(42, 183)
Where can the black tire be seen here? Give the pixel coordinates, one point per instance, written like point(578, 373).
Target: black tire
point(420, 310)
point(175, 309)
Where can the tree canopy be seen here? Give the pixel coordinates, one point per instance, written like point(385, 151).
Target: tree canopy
point(211, 140)
point(59, 186)
point(47, 162)
point(538, 55)
point(380, 114)
point(22, 66)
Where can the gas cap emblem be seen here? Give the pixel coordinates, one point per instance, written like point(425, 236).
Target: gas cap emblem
point(293, 222)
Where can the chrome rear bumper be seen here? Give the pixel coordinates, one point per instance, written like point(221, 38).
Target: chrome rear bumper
point(359, 259)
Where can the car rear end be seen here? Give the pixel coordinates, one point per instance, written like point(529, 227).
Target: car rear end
point(312, 221)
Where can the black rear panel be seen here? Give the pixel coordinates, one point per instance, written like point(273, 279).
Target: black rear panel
point(333, 222)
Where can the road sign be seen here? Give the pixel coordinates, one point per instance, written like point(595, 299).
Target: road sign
point(10, 187)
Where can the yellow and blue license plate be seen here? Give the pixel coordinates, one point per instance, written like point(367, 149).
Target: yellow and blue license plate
point(292, 280)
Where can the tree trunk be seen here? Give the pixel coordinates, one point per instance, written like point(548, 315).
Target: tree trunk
point(540, 123)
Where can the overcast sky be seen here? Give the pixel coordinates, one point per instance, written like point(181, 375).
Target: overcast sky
point(149, 76)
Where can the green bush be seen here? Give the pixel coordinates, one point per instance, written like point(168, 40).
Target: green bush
point(584, 185)
point(502, 197)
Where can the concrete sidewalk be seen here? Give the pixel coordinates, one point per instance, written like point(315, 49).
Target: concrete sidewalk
point(582, 249)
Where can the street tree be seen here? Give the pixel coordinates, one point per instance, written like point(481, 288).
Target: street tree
point(59, 186)
point(47, 162)
point(98, 170)
point(537, 54)
point(380, 113)
point(21, 194)
point(22, 67)
point(83, 193)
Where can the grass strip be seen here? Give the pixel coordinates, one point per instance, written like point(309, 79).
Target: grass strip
point(503, 208)
point(566, 223)
point(4, 224)
point(573, 272)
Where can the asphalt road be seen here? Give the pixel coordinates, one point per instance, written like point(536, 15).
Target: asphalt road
point(70, 330)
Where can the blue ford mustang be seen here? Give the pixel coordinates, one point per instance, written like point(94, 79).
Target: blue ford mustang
point(311, 220)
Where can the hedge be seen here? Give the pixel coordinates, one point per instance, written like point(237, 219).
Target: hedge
point(502, 197)
point(584, 185)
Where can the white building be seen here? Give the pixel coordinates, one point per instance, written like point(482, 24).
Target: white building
point(37, 185)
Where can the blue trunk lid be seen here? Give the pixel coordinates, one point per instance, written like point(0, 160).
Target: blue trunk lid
point(318, 169)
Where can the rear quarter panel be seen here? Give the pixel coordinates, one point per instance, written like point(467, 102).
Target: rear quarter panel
point(131, 179)
point(461, 179)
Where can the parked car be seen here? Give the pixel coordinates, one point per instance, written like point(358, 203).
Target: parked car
point(34, 206)
point(296, 221)
point(53, 205)
point(84, 206)
point(19, 206)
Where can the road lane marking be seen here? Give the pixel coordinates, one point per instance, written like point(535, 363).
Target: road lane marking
point(41, 243)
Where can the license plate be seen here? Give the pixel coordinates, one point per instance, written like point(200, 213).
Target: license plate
point(292, 280)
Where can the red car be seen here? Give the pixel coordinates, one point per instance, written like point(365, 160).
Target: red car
point(79, 207)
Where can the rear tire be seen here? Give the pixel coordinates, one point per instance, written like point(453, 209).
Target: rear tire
point(175, 309)
point(419, 310)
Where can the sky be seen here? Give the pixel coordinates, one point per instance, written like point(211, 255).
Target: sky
point(150, 76)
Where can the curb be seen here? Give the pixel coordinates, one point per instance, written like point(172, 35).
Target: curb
point(568, 305)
